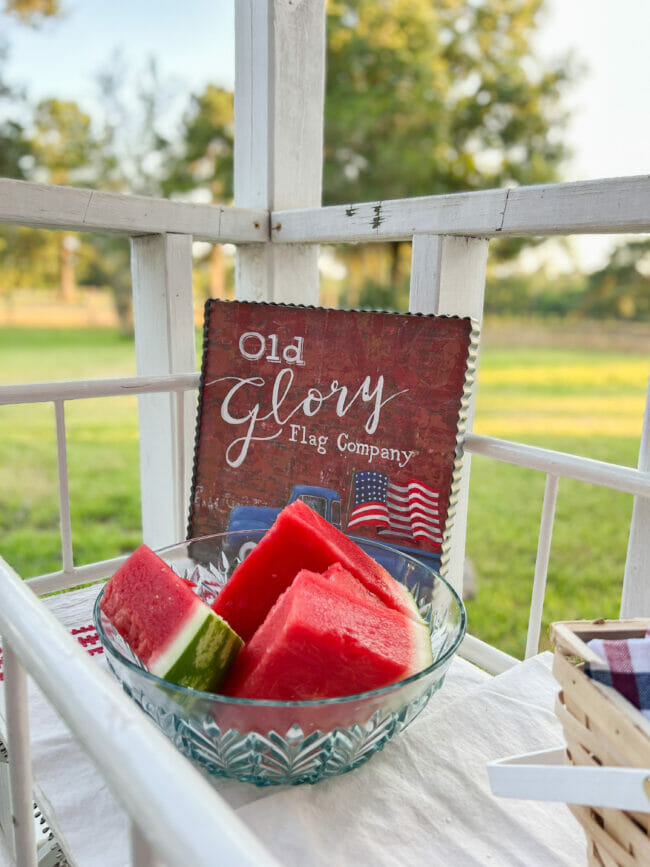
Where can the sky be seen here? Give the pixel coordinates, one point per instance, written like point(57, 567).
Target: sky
point(193, 43)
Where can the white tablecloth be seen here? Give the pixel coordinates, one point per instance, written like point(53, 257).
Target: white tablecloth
point(423, 800)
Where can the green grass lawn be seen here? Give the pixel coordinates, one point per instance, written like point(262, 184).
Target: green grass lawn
point(576, 400)
point(585, 402)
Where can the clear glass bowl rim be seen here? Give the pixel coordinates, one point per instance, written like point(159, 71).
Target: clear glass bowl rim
point(214, 697)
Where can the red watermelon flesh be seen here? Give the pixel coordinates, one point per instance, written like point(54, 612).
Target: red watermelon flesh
point(300, 539)
point(344, 583)
point(339, 580)
point(319, 643)
point(170, 629)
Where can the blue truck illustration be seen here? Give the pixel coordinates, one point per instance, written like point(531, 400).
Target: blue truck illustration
point(327, 503)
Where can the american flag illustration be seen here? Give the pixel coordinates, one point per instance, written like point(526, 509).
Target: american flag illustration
point(407, 511)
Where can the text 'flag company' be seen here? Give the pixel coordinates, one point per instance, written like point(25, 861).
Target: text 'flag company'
point(360, 414)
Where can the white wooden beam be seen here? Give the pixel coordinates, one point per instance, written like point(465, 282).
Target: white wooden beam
point(635, 599)
point(448, 278)
point(52, 207)
point(614, 205)
point(486, 656)
point(561, 464)
point(165, 343)
point(78, 389)
point(392, 220)
point(279, 93)
point(178, 811)
point(611, 205)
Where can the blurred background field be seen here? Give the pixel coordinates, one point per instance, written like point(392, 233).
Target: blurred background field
point(575, 398)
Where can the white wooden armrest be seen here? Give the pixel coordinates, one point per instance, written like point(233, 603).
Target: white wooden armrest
point(174, 808)
point(544, 776)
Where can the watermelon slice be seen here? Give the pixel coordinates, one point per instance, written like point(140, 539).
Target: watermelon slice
point(170, 629)
point(300, 539)
point(319, 641)
point(344, 583)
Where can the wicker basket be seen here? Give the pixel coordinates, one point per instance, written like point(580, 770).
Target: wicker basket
point(602, 728)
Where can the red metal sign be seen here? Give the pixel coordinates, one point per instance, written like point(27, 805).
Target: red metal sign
point(359, 413)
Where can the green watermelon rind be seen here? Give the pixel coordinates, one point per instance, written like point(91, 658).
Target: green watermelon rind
point(123, 657)
point(201, 654)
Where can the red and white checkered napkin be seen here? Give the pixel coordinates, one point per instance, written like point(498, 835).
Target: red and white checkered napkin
point(626, 668)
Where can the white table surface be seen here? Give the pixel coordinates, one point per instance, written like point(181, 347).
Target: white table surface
point(423, 800)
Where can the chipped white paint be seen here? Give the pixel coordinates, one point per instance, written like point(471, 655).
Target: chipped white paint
point(611, 205)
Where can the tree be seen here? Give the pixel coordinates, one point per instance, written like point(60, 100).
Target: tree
point(130, 157)
point(63, 144)
point(422, 98)
point(205, 159)
point(63, 147)
point(134, 107)
point(21, 246)
point(621, 289)
point(32, 12)
point(14, 147)
point(204, 162)
point(29, 258)
point(427, 98)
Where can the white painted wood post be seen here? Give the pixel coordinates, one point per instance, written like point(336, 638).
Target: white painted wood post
point(165, 343)
point(541, 566)
point(20, 763)
point(448, 278)
point(279, 95)
point(67, 555)
point(635, 600)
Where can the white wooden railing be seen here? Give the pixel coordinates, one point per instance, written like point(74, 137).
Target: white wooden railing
point(172, 808)
point(555, 465)
point(444, 260)
point(277, 225)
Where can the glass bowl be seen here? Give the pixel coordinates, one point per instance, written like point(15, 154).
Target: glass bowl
point(285, 742)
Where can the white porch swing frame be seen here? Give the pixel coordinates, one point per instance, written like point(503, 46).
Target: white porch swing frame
point(277, 224)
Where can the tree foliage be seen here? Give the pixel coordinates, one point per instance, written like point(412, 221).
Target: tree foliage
point(133, 150)
point(14, 146)
point(205, 158)
point(31, 12)
point(134, 145)
point(63, 144)
point(422, 98)
point(621, 289)
point(426, 98)
point(34, 248)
